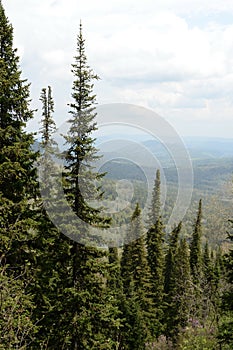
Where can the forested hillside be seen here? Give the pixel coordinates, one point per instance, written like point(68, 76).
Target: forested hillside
point(161, 289)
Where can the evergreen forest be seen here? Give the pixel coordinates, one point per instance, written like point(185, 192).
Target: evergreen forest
point(158, 290)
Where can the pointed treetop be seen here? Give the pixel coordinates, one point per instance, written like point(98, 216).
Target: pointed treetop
point(175, 234)
point(48, 124)
point(14, 96)
point(80, 28)
point(200, 205)
point(137, 212)
point(199, 216)
point(155, 207)
point(195, 246)
point(5, 25)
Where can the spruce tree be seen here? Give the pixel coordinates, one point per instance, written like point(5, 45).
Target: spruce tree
point(134, 267)
point(170, 279)
point(92, 313)
point(137, 288)
point(116, 295)
point(156, 262)
point(80, 175)
point(155, 207)
point(48, 145)
point(114, 280)
point(225, 330)
point(197, 266)
point(179, 309)
point(18, 189)
point(17, 327)
point(210, 287)
point(155, 250)
point(195, 246)
point(206, 258)
point(52, 278)
point(48, 123)
point(170, 258)
point(17, 173)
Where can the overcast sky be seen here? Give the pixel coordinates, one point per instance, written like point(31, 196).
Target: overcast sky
point(172, 56)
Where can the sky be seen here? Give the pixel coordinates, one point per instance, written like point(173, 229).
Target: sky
point(174, 57)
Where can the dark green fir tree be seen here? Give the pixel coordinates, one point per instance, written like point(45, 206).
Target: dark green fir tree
point(155, 207)
point(52, 278)
point(170, 258)
point(48, 123)
point(18, 190)
point(92, 313)
point(225, 330)
point(48, 145)
point(180, 306)
point(138, 307)
point(155, 249)
point(81, 154)
point(156, 262)
point(196, 265)
point(212, 282)
point(195, 247)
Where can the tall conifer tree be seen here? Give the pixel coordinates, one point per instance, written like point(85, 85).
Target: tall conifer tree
point(134, 264)
point(89, 270)
point(51, 246)
point(48, 145)
point(80, 174)
point(225, 331)
point(17, 172)
point(155, 207)
point(18, 189)
point(181, 294)
point(210, 299)
point(196, 264)
point(48, 124)
point(170, 258)
point(195, 246)
point(137, 288)
point(156, 259)
point(155, 249)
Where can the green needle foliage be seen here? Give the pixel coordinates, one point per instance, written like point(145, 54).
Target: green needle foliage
point(18, 189)
point(155, 251)
point(156, 259)
point(91, 311)
point(155, 207)
point(48, 145)
point(52, 278)
point(177, 284)
point(195, 246)
point(225, 331)
point(170, 258)
point(180, 294)
point(196, 263)
point(136, 282)
point(48, 124)
point(138, 269)
point(80, 174)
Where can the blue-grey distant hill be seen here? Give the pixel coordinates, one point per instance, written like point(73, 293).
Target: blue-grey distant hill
point(212, 159)
point(209, 147)
point(198, 147)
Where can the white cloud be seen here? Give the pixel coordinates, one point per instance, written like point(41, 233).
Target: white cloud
point(152, 53)
point(54, 57)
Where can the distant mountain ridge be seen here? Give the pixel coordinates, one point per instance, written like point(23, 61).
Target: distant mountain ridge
point(209, 147)
point(198, 147)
